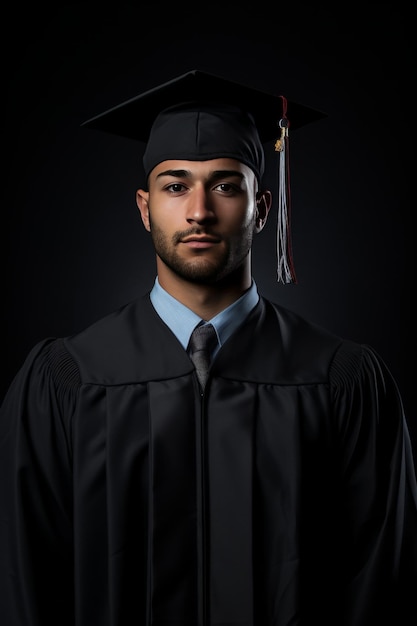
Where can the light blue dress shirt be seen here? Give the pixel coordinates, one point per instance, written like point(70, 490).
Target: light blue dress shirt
point(182, 321)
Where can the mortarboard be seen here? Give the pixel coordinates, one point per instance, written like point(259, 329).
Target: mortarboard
point(201, 116)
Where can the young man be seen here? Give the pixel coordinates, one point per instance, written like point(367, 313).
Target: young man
point(278, 490)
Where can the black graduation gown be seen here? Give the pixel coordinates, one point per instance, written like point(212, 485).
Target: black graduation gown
point(284, 496)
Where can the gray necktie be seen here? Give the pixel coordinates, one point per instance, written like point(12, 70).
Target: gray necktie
point(202, 342)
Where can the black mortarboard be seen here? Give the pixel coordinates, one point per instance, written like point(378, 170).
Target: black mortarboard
point(201, 116)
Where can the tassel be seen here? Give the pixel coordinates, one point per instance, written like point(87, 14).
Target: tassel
point(285, 270)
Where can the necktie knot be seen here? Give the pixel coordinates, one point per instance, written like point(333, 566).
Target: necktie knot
point(202, 342)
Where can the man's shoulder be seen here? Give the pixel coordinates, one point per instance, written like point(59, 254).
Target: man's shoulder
point(124, 346)
point(298, 325)
point(106, 344)
point(123, 320)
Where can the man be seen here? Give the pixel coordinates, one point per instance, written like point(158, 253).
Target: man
point(276, 489)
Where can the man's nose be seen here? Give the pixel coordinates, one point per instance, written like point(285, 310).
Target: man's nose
point(200, 206)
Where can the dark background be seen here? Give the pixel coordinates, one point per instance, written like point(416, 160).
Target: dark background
point(75, 248)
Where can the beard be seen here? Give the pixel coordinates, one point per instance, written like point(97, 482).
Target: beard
point(203, 268)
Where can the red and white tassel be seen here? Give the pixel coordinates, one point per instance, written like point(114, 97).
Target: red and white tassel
point(285, 269)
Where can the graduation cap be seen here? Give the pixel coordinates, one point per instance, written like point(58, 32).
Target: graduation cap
point(201, 116)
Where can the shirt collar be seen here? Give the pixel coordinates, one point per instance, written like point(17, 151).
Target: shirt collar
point(182, 321)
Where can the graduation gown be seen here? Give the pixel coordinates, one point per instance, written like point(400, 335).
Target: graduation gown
point(285, 495)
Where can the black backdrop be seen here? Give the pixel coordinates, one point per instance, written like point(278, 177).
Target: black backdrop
point(74, 245)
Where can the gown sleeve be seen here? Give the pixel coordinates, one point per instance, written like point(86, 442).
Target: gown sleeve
point(378, 496)
point(36, 544)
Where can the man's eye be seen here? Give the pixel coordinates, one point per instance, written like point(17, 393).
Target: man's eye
point(225, 187)
point(175, 187)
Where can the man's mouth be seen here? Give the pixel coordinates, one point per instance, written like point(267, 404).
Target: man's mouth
point(200, 241)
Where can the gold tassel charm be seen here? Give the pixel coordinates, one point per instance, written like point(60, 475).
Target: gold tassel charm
point(285, 270)
point(280, 143)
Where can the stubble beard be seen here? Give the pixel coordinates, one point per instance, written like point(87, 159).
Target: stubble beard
point(200, 269)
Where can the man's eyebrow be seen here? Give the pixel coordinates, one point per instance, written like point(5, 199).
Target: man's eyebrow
point(175, 173)
point(215, 175)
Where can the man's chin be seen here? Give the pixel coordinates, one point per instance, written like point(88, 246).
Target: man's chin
point(204, 270)
point(201, 273)
point(201, 277)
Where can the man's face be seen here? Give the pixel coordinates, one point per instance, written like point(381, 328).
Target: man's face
point(202, 216)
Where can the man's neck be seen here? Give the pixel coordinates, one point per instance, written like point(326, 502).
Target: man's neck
point(206, 300)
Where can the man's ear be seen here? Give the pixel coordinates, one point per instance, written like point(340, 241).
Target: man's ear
point(263, 206)
point(142, 198)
